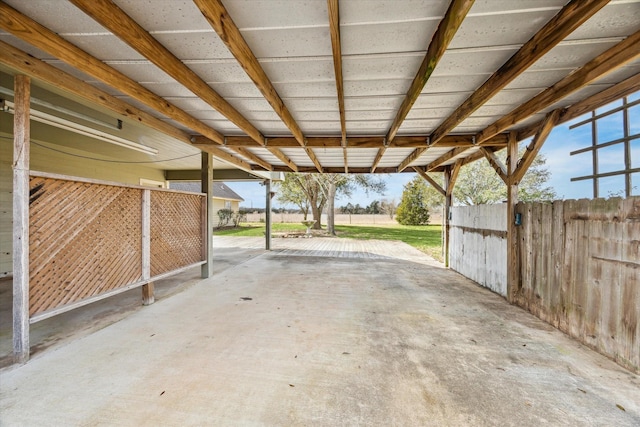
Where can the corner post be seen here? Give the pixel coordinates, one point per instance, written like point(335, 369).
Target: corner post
point(448, 199)
point(267, 212)
point(148, 296)
point(513, 278)
point(21, 154)
point(206, 178)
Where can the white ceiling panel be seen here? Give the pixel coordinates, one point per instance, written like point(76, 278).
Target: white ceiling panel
point(615, 20)
point(219, 71)
point(473, 61)
point(480, 30)
point(570, 55)
point(61, 17)
point(142, 71)
point(373, 103)
point(387, 37)
point(311, 70)
point(253, 14)
point(199, 45)
point(289, 42)
point(537, 79)
point(105, 47)
point(375, 88)
point(361, 157)
point(383, 67)
point(444, 84)
point(358, 12)
point(441, 99)
point(165, 15)
point(307, 89)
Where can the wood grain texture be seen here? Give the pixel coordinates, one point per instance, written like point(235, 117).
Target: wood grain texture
point(495, 163)
point(572, 16)
point(430, 180)
point(30, 31)
point(377, 159)
point(619, 55)
point(21, 226)
point(110, 16)
point(447, 28)
point(532, 149)
point(336, 48)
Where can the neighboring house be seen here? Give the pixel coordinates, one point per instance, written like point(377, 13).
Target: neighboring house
point(223, 196)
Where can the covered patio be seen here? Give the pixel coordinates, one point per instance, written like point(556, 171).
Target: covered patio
point(390, 340)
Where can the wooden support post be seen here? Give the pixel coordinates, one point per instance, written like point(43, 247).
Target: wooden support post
point(450, 176)
point(513, 273)
point(148, 296)
point(206, 178)
point(267, 214)
point(21, 136)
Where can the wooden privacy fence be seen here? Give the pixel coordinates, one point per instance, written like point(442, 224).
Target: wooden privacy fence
point(578, 266)
point(89, 240)
point(579, 269)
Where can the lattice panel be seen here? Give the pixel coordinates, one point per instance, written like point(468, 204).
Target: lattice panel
point(85, 240)
point(176, 231)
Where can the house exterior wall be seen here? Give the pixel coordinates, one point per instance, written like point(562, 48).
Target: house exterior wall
point(221, 204)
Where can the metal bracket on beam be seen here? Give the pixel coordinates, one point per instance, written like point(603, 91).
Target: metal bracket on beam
point(473, 140)
point(428, 141)
point(385, 143)
point(224, 142)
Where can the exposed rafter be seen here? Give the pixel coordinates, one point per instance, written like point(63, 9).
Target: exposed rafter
point(622, 53)
point(49, 74)
point(334, 29)
point(430, 180)
point(534, 147)
point(218, 17)
point(560, 26)
point(602, 98)
point(255, 159)
point(377, 160)
point(444, 34)
point(291, 166)
point(110, 16)
point(495, 163)
point(35, 34)
point(453, 141)
point(445, 158)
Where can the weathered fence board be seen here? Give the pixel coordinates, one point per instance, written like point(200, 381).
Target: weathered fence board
point(579, 266)
point(479, 245)
point(580, 263)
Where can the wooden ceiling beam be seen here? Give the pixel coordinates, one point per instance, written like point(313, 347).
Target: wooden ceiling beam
point(46, 40)
point(110, 16)
point(290, 165)
point(377, 159)
point(254, 158)
point(495, 163)
point(334, 29)
point(445, 158)
point(41, 71)
point(314, 159)
point(619, 55)
point(447, 28)
point(411, 158)
point(536, 144)
point(600, 99)
point(572, 16)
point(499, 140)
point(430, 180)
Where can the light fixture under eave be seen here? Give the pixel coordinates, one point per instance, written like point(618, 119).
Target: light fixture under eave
point(61, 123)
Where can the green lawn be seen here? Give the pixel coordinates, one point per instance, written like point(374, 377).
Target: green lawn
point(426, 238)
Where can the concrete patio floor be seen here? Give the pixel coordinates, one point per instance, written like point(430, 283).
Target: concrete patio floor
point(360, 333)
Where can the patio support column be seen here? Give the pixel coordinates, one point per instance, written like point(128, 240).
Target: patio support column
point(267, 214)
point(512, 234)
point(148, 296)
point(206, 178)
point(21, 136)
point(450, 177)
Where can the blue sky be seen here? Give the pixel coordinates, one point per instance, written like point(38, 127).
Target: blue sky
point(556, 150)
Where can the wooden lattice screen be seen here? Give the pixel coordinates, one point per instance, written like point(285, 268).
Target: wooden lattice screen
point(176, 231)
point(87, 240)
